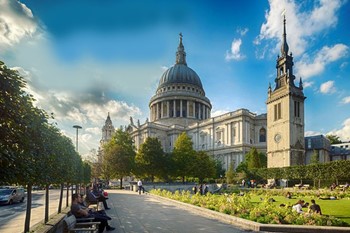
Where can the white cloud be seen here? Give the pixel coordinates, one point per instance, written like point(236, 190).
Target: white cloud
point(327, 87)
point(302, 24)
point(93, 130)
point(344, 132)
point(234, 53)
point(307, 84)
point(311, 133)
point(242, 31)
point(326, 55)
point(346, 100)
point(16, 22)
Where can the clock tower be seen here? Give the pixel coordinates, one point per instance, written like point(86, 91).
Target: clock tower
point(285, 114)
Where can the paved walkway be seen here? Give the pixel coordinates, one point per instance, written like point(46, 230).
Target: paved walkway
point(132, 212)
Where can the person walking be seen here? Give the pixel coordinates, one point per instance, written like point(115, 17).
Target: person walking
point(139, 184)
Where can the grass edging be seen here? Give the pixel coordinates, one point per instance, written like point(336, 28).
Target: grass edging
point(250, 225)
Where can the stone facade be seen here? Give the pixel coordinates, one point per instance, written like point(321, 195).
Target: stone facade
point(285, 114)
point(180, 105)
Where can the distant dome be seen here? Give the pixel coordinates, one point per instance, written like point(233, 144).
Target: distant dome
point(180, 74)
point(180, 98)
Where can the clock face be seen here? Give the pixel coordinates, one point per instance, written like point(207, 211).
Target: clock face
point(277, 137)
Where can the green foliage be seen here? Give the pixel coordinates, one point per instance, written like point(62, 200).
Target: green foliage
point(231, 174)
point(150, 159)
point(334, 170)
point(255, 210)
point(253, 159)
point(334, 139)
point(184, 156)
point(204, 166)
point(119, 155)
point(219, 171)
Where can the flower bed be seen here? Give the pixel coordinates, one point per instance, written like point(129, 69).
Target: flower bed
point(243, 207)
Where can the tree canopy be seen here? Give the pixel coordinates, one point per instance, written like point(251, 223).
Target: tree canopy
point(184, 156)
point(119, 155)
point(150, 158)
point(334, 139)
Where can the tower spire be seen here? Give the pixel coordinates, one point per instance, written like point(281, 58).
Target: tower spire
point(284, 46)
point(180, 54)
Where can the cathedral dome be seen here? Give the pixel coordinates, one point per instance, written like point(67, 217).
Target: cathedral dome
point(180, 98)
point(180, 74)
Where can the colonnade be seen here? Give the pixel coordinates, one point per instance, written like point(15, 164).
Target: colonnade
point(179, 108)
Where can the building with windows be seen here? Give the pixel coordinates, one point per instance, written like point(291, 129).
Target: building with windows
point(285, 114)
point(180, 105)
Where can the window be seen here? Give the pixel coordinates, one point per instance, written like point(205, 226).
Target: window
point(262, 135)
point(277, 112)
point(296, 109)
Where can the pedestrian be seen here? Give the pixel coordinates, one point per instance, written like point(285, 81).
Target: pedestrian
point(243, 183)
point(194, 189)
point(139, 184)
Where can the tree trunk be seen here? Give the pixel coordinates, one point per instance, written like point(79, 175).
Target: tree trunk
point(29, 207)
point(183, 179)
point(67, 195)
point(46, 204)
point(121, 182)
point(61, 199)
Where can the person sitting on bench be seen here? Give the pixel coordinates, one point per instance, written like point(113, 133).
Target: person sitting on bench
point(79, 212)
point(94, 197)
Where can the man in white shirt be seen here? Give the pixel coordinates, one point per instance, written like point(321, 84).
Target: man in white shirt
point(139, 184)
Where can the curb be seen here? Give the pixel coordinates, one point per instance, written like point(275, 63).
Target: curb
point(254, 226)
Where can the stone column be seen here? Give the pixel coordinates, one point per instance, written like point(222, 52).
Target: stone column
point(199, 110)
point(174, 108)
point(188, 108)
point(203, 109)
point(161, 110)
point(180, 108)
point(168, 108)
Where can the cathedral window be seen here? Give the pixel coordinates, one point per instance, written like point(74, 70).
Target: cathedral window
point(296, 109)
point(262, 135)
point(184, 108)
point(177, 108)
point(277, 112)
point(165, 109)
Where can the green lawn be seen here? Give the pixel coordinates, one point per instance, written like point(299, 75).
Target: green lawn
point(337, 208)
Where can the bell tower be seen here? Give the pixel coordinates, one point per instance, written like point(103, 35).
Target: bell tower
point(285, 113)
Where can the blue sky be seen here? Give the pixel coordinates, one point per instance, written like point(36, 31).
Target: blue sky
point(85, 58)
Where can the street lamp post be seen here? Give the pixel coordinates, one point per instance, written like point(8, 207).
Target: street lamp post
point(76, 144)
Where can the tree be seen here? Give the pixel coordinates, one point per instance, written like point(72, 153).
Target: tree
point(119, 155)
point(253, 159)
point(219, 171)
point(334, 139)
point(184, 156)
point(150, 158)
point(205, 166)
point(231, 174)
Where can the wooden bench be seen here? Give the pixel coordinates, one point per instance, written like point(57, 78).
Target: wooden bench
point(92, 202)
point(82, 227)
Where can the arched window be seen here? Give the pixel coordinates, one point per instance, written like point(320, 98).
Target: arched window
point(262, 135)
